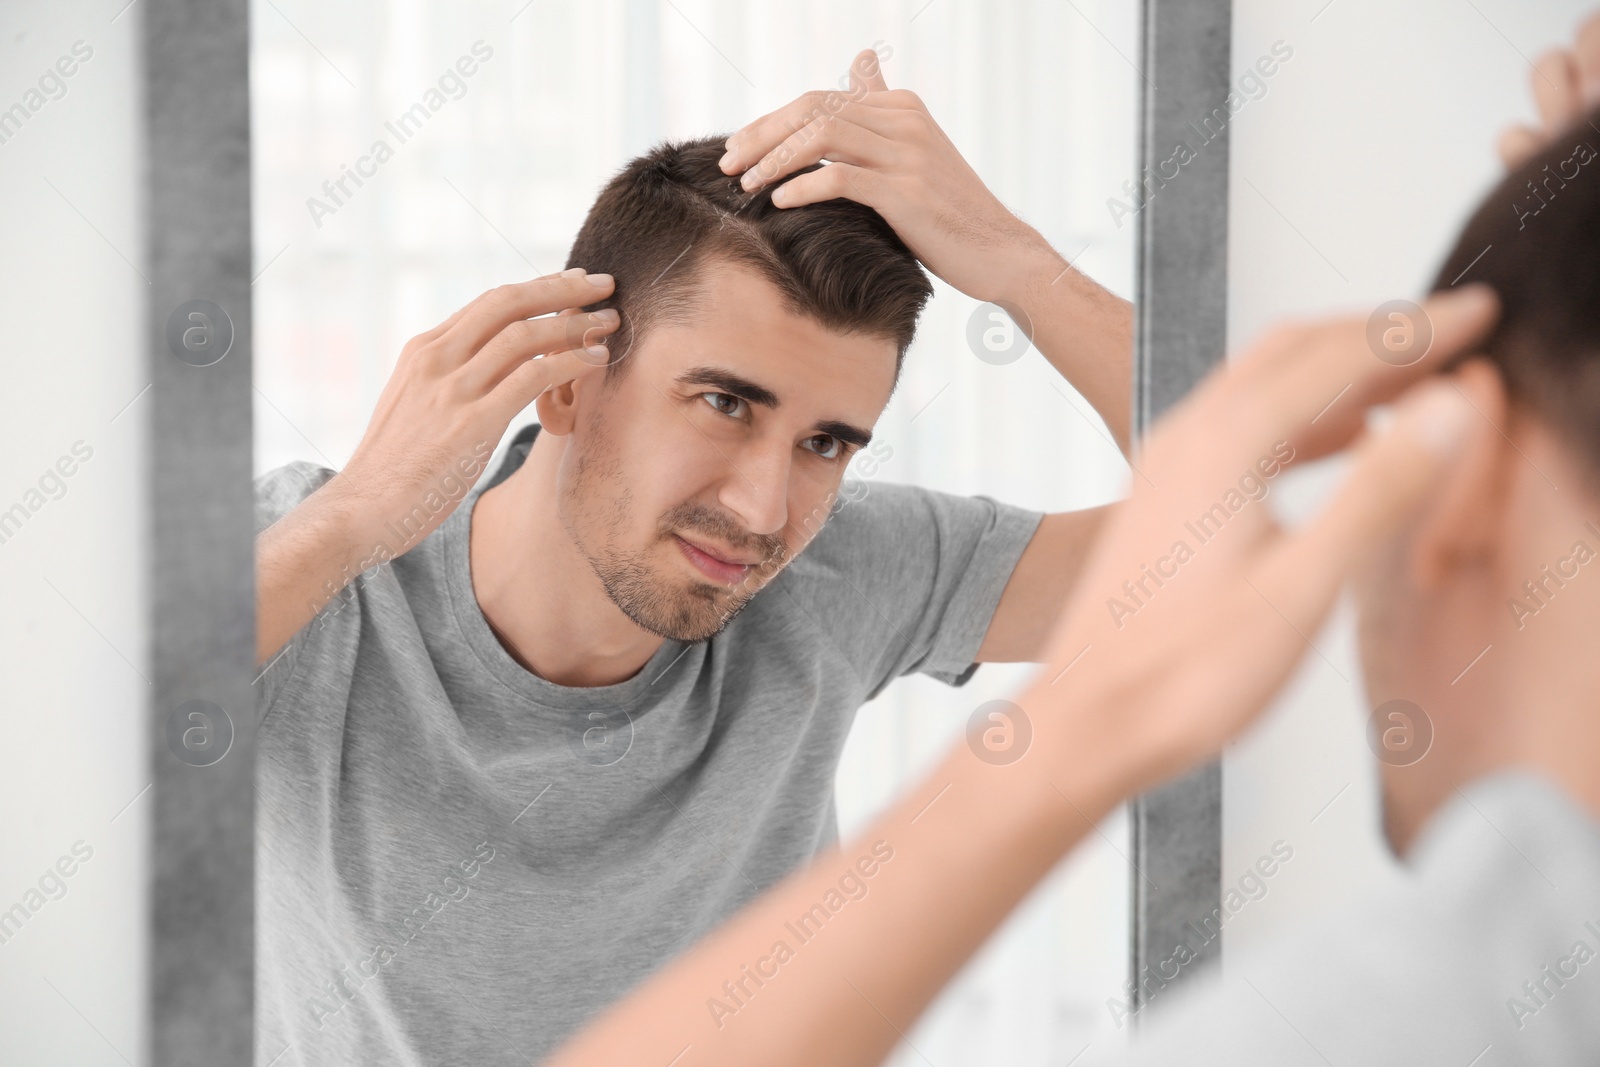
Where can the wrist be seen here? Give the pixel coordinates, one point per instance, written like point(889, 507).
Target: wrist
point(1027, 266)
point(347, 518)
point(1088, 760)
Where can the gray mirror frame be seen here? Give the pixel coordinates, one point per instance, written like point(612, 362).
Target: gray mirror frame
point(196, 144)
point(1180, 333)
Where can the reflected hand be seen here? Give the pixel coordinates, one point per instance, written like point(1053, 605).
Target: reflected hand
point(1566, 84)
point(456, 387)
point(885, 151)
point(453, 392)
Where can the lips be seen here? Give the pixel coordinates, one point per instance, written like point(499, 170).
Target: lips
point(714, 567)
point(719, 555)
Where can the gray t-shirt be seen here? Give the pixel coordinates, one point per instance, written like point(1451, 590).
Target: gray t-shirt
point(1485, 954)
point(459, 862)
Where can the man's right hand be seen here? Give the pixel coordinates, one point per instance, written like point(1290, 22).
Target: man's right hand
point(453, 392)
point(1566, 84)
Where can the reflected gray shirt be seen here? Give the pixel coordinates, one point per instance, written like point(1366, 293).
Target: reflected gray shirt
point(459, 862)
point(1485, 954)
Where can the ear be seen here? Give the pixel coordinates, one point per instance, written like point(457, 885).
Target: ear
point(558, 406)
point(1460, 528)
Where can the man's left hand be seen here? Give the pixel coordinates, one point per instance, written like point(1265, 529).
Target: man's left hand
point(885, 151)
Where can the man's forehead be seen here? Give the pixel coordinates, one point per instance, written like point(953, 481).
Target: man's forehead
point(740, 339)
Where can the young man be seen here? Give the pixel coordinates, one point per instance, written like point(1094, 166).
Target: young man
point(1470, 523)
point(595, 705)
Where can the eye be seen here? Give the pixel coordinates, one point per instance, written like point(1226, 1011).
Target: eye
point(837, 445)
point(715, 403)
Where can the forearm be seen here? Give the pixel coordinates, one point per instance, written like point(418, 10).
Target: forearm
point(303, 561)
point(967, 845)
point(1083, 329)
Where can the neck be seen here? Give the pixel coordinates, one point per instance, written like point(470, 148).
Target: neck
point(1552, 675)
point(1552, 690)
point(538, 591)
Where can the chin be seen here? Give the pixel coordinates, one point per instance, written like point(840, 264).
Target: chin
point(679, 611)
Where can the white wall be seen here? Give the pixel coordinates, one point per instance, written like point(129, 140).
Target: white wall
point(72, 632)
point(1349, 180)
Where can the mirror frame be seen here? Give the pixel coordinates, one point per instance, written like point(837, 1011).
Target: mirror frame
point(199, 555)
point(1180, 333)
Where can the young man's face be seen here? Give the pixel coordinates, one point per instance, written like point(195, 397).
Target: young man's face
point(684, 450)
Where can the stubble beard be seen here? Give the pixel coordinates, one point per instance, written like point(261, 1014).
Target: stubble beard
point(597, 517)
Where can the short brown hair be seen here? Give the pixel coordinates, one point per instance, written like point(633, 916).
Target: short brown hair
point(667, 214)
point(1536, 240)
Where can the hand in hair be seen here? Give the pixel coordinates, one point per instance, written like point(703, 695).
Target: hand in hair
point(887, 152)
point(884, 150)
point(1566, 83)
point(453, 392)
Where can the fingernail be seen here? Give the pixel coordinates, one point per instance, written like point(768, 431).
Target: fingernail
point(1442, 417)
point(606, 315)
point(599, 279)
point(572, 272)
point(726, 161)
point(599, 351)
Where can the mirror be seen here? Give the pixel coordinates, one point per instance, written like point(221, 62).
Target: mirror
point(407, 161)
point(1308, 213)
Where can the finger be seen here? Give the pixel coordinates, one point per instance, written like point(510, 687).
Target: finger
point(1393, 471)
point(1432, 349)
point(831, 138)
point(801, 149)
point(1555, 89)
point(1311, 386)
point(1518, 143)
point(500, 307)
point(758, 137)
point(865, 72)
point(524, 339)
point(755, 139)
point(1586, 56)
point(835, 181)
point(523, 384)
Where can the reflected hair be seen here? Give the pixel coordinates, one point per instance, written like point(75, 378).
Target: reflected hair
point(668, 214)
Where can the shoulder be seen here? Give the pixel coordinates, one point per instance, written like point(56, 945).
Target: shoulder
point(902, 526)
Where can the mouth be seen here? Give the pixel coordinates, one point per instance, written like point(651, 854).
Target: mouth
point(717, 568)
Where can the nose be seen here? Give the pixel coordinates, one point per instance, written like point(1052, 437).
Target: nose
point(756, 490)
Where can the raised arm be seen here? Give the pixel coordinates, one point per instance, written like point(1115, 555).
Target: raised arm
point(886, 151)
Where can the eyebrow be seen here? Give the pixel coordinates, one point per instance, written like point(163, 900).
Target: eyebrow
point(737, 385)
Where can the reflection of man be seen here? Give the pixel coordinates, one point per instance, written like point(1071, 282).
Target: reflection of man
point(560, 738)
point(1456, 513)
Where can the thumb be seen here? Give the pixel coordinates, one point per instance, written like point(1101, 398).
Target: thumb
point(866, 74)
point(1393, 470)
